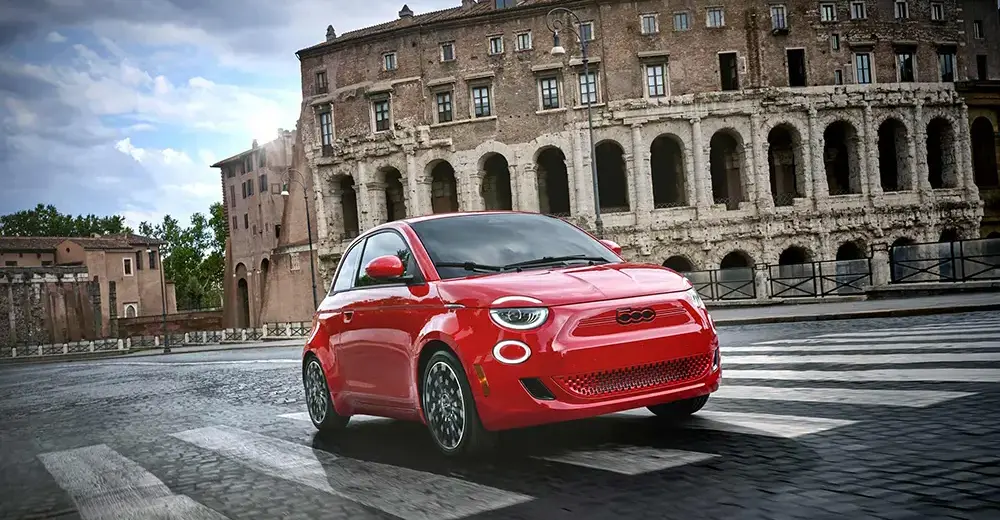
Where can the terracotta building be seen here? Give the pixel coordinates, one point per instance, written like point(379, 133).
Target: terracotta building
point(982, 93)
point(727, 134)
point(267, 254)
point(127, 268)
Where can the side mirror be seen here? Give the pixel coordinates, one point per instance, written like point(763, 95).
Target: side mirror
point(613, 246)
point(386, 267)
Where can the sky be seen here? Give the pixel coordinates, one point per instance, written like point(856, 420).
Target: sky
point(119, 107)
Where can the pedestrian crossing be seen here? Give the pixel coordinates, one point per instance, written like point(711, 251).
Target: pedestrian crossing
point(104, 483)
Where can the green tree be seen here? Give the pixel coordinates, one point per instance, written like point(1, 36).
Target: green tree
point(47, 221)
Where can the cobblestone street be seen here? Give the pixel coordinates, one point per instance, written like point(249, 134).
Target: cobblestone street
point(880, 418)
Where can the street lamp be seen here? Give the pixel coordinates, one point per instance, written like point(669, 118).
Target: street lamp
point(556, 24)
point(163, 298)
point(305, 195)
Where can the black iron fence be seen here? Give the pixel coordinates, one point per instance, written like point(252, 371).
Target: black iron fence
point(961, 261)
point(817, 279)
point(724, 284)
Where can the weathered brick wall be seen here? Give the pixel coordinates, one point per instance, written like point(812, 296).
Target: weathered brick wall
point(175, 323)
point(41, 305)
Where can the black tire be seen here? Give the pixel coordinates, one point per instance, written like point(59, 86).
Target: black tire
point(319, 402)
point(679, 409)
point(455, 429)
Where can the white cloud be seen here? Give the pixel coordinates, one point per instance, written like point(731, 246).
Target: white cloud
point(54, 37)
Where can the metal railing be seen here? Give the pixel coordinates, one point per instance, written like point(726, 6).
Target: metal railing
point(961, 261)
point(724, 284)
point(818, 279)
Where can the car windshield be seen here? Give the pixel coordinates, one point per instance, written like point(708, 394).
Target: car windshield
point(464, 245)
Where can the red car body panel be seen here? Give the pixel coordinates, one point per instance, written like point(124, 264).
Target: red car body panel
point(369, 341)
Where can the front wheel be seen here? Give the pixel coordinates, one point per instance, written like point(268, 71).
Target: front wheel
point(319, 402)
point(450, 409)
point(679, 409)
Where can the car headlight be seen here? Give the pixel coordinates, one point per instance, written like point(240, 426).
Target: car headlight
point(695, 298)
point(520, 318)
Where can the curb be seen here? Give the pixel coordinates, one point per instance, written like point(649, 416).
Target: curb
point(145, 352)
point(882, 313)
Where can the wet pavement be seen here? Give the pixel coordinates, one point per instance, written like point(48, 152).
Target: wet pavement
point(881, 418)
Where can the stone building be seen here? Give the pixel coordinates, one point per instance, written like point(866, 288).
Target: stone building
point(125, 268)
point(267, 255)
point(728, 134)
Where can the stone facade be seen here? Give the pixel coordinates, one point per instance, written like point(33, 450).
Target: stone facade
point(44, 305)
point(267, 258)
point(780, 136)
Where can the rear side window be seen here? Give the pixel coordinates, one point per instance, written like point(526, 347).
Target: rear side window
point(348, 269)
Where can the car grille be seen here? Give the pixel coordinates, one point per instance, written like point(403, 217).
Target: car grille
point(667, 315)
point(635, 378)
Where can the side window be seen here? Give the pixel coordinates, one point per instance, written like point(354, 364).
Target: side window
point(348, 269)
point(383, 244)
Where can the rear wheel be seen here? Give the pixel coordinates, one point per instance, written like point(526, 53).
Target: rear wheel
point(450, 409)
point(679, 409)
point(319, 402)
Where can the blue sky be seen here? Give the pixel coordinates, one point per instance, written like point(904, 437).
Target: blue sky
point(120, 106)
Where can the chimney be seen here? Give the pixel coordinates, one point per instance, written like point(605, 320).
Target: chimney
point(467, 3)
point(254, 145)
point(405, 12)
point(330, 33)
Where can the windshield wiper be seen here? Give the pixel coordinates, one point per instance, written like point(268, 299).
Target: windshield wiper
point(546, 260)
point(470, 266)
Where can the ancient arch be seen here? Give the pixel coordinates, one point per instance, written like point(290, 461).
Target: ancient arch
point(444, 187)
point(612, 180)
point(894, 163)
point(842, 157)
point(496, 186)
point(679, 263)
point(726, 161)
point(553, 181)
point(942, 171)
point(349, 206)
point(667, 171)
point(395, 193)
point(785, 162)
point(984, 153)
point(736, 260)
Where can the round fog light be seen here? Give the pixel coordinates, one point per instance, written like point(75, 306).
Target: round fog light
point(511, 352)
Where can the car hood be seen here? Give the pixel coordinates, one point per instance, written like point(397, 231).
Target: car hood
point(564, 286)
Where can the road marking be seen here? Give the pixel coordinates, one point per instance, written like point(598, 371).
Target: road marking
point(995, 338)
point(105, 485)
point(858, 347)
point(909, 333)
point(402, 492)
point(950, 375)
point(297, 416)
point(782, 426)
point(304, 416)
point(201, 363)
point(630, 460)
point(866, 359)
point(903, 398)
point(932, 328)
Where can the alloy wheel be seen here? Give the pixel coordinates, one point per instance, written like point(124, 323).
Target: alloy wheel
point(317, 397)
point(444, 405)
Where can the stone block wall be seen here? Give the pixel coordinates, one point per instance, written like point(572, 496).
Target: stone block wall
point(45, 305)
point(178, 323)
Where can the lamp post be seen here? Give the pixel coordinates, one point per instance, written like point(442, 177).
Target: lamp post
point(163, 298)
point(305, 195)
point(555, 24)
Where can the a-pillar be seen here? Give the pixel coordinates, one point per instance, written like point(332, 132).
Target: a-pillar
point(702, 193)
point(820, 188)
point(642, 181)
point(760, 172)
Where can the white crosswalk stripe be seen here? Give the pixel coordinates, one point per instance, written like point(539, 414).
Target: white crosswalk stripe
point(846, 347)
point(630, 460)
point(991, 327)
point(885, 338)
point(894, 375)
point(105, 485)
point(990, 332)
point(901, 398)
point(865, 359)
point(402, 492)
point(781, 426)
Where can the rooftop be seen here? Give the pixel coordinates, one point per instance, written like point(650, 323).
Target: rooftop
point(120, 241)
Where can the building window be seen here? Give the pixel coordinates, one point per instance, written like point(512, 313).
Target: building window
point(277, 231)
point(127, 266)
point(863, 68)
point(796, 67)
point(650, 24)
point(838, 77)
point(496, 45)
point(858, 11)
point(389, 61)
point(681, 21)
point(981, 68)
point(729, 71)
point(828, 12)
point(236, 223)
point(937, 11)
point(588, 88)
point(779, 20)
point(250, 188)
point(947, 65)
point(715, 17)
point(46, 263)
point(445, 112)
point(262, 159)
point(977, 29)
point(448, 51)
point(244, 186)
point(152, 259)
point(587, 31)
point(835, 42)
point(523, 41)
point(550, 93)
point(138, 260)
point(481, 101)
point(232, 196)
point(255, 229)
point(10, 263)
point(381, 108)
point(656, 80)
point(902, 9)
point(262, 184)
point(230, 172)
point(321, 85)
point(326, 128)
point(246, 221)
point(904, 67)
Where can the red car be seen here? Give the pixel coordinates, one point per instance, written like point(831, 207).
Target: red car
point(472, 323)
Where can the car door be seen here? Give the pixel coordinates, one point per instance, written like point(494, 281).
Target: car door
point(387, 321)
point(337, 317)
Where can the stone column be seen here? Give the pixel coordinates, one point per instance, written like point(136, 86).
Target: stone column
point(424, 195)
point(921, 174)
point(335, 204)
point(870, 172)
point(703, 194)
point(365, 218)
point(473, 200)
point(319, 210)
point(528, 199)
point(414, 206)
point(581, 194)
point(642, 182)
point(375, 193)
point(964, 139)
point(820, 188)
point(516, 181)
point(760, 171)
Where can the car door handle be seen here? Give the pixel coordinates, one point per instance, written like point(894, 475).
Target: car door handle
point(348, 315)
